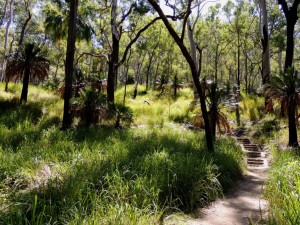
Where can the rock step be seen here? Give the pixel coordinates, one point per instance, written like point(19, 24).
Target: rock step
point(253, 154)
point(244, 140)
point(252, 149)
point(255, 161)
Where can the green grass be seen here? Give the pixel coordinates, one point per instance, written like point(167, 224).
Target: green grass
point(283, 188)
point(252, 107)
point(103, 175)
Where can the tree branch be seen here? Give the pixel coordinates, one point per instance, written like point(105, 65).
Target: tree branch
point(101, 55)
point(187, 14)
point(135, 39)
point(125, 16)
point(284, 6)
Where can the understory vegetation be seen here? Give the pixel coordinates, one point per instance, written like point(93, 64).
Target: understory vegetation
point(103, 175)
point(283, 188)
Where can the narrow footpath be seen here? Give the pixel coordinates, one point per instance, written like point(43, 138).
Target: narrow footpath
point(243, 204)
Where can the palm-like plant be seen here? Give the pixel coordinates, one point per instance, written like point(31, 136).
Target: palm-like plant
point(28, 62)
point(215, 96)
point(286, 88)
point(56, 23)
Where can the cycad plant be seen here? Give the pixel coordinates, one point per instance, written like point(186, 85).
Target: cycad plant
point(214, 98)
point(28, 62)
point(93, 106)
point(286, 89)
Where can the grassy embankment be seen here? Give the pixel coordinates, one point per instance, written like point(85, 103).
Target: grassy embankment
point(282, 188)
point(103, 175)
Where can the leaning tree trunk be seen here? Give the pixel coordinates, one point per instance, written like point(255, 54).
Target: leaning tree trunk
point(24, 93)
point(194, 72)
point(193, 53)
point(24, 27)
point(293, 139)
point(67, 118)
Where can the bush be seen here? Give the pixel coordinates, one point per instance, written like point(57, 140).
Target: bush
point(90, 108)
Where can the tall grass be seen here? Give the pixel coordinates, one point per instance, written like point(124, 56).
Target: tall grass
point(283, 188)
point(252, 107)
point(101, 175)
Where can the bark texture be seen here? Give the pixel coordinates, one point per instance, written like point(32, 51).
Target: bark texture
point(67, 118)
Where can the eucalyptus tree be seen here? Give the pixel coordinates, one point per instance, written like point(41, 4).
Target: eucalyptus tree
point(65, 21)
point(27, 7)
point(264, 33)
point(179, 39)
point(67, 119)
point(290, 11)
point(10, 18)
point(120, 15)
point(277, 34)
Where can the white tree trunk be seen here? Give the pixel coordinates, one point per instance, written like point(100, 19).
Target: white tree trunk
point(192, 52)
point(265, 42)
point(11, 14)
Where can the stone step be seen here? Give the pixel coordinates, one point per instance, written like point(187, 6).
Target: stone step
point(253, 154)
point(252, 148)
point(244, 140)
point(255, 161)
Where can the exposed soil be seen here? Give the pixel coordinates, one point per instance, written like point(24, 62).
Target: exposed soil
point(242, 204)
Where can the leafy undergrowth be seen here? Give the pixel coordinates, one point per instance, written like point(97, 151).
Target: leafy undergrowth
point(283, 188)
point(103, 175)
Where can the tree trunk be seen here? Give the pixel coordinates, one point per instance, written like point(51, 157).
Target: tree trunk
point(291, 15)
point(24, 93)
point(265, 43)
point(238, 60)
point(216, 63)
point(289, 45)
point(114, 56)
point(11, 13)
point(246, 71)
point(24, 27)
point(194, 72)
point(67, 118)
point(156, 73)
point(280, 61)
point(148, 71)
point(193, 53)
point(293, 139)
point(126, 77)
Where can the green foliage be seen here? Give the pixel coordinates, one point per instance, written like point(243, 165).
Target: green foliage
point(283, 189)
point(265, 129)
point(252, 107)
point(92, 107)
point(104, 175)
point(124, 115)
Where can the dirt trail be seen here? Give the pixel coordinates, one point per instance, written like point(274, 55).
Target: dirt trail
point(244, 203)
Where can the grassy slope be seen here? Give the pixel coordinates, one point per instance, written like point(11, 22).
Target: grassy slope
point(282, 188)
point(102, 175)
